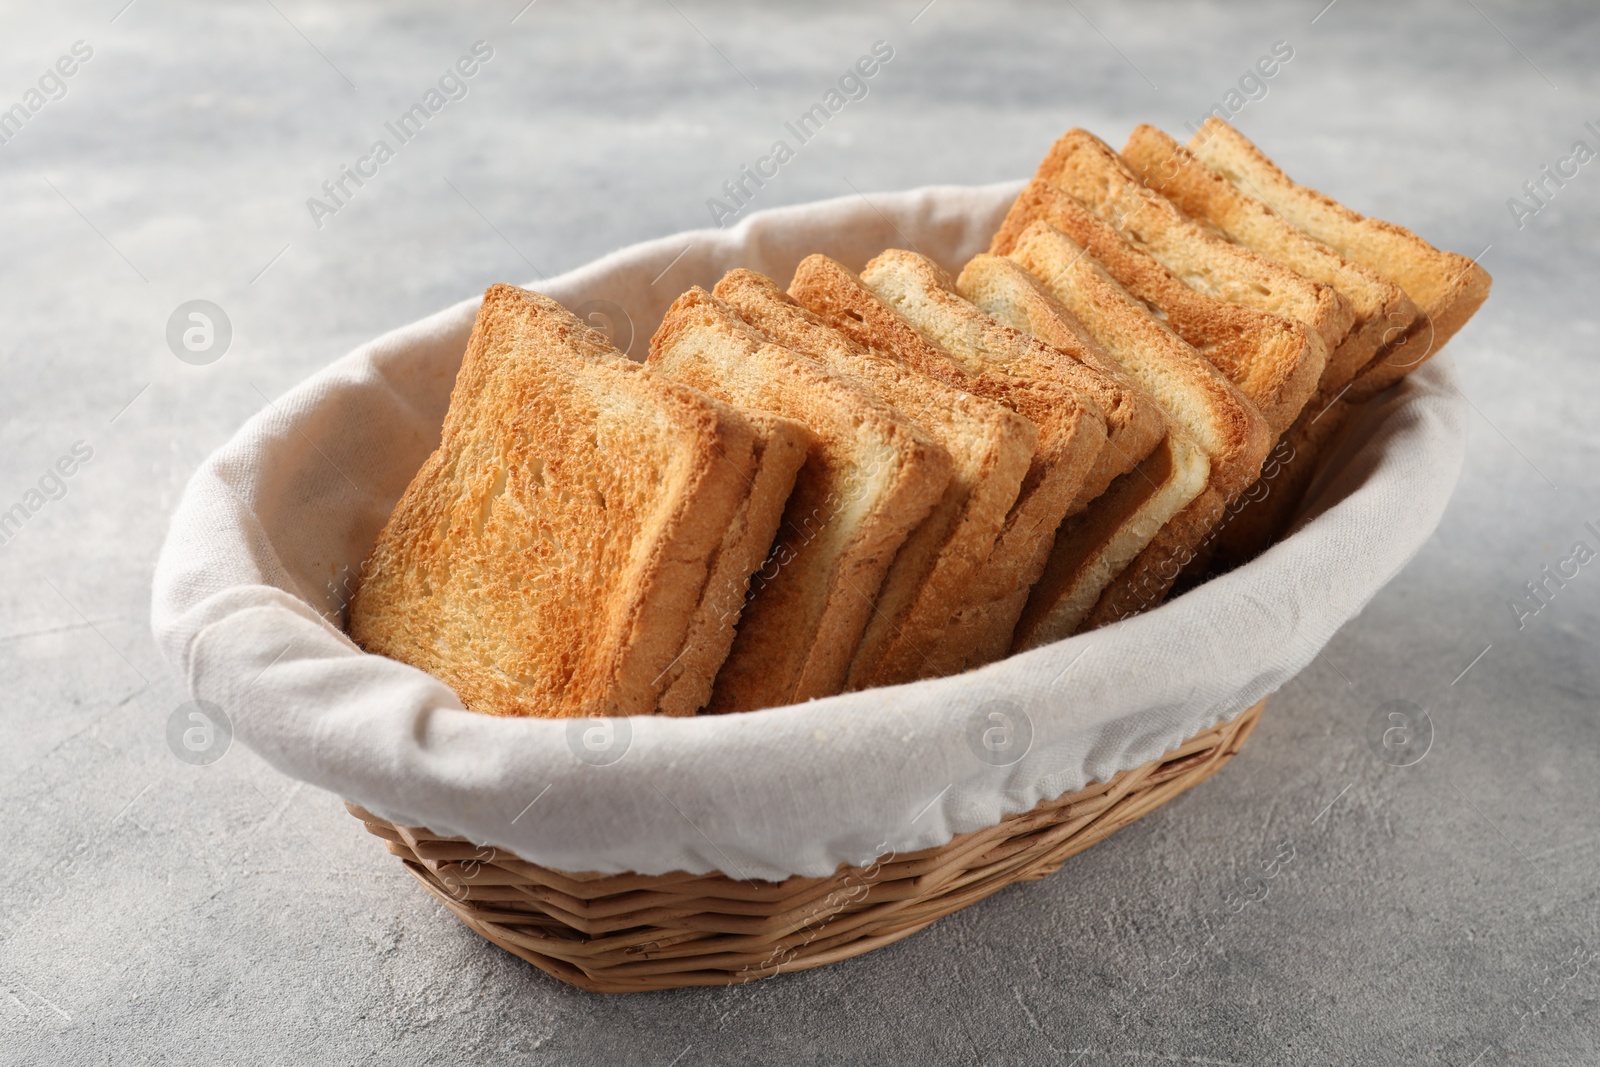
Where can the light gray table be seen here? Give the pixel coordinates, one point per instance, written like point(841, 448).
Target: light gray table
point(157, 912)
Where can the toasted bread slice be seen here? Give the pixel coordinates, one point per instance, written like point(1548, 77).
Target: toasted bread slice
point(1380, 307)
point(1135, 423)
point(524, 566)
point(1232, 431)
point(1071, 429)
point(909, 635)
point(1445, 287)
point(1095, 546)
point(871, 478)
point(1377, 304)
point(781, 447)
point(1090, 170)
point(1270, 358)
point(925, 296)
point(1145, 583)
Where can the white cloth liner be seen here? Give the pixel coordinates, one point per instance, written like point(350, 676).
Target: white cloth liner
point(271, 527)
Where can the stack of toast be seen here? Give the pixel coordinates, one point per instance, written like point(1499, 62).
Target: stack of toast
point(891, 474)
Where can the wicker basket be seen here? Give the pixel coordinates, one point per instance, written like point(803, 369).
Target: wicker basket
point(620, 933)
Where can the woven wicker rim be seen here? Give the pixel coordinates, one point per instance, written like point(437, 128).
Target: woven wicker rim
point(620, 933)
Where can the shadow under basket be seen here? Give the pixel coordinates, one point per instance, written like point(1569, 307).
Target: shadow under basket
point(621, 933)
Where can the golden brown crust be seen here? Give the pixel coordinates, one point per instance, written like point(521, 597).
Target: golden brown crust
point(1445, 287)
point(524, 566)
point(908, 636)
point(924, 295)
point(1377, 304)
point(1005, 292)
point(1094, 549)
point(871, 478)
point(1442, 291)
point(1070, 434)
point(896, 476)
point(1271, 359)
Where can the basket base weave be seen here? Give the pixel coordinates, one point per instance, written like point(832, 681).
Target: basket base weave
point(617, 933)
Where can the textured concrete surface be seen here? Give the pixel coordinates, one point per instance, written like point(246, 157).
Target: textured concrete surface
point(1311, 904)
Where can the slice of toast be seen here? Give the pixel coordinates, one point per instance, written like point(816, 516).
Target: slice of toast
point(1446, 288)
point(1092, 548)
point(1090, 170)
point(920, 291)
point(1135, 423)
point(1377, 304)
point(781, 447)
point(1071, 433)
point(1148, 580)
point(1271, 359)
point(871, 478)
point(1095, 549)
point(909, 636)
point(523, 565)
point(1226, 425)
point(1230, 429)
point(1381, 309)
